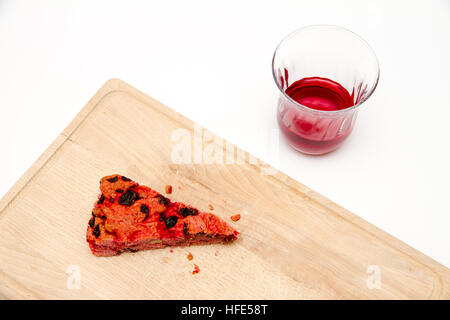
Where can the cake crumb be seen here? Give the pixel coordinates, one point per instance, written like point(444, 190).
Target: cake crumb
point(196, 269)
point(190, 256)
point(210, 206)
point(171, 251)
point(236, 217)
point(168, 189)
point(216, 253)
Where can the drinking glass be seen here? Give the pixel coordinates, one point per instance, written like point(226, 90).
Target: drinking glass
point(330, 52)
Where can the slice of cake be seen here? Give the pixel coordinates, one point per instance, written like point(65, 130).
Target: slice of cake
point(130, 217)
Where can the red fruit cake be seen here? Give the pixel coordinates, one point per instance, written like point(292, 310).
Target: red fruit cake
point(131, 217)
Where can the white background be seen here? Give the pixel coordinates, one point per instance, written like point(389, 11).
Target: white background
point(210, 60)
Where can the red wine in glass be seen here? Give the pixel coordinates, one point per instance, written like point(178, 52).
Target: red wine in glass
point(315, 133)
point(324, 75)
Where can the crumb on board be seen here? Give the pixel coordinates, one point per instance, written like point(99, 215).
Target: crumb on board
point(216, 253)
point(210, 206)
point(171, 251)
point(168, 189)
point(196, 269)
point(236, 217)
point(190, 256)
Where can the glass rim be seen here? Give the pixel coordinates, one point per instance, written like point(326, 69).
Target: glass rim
point(326, 26)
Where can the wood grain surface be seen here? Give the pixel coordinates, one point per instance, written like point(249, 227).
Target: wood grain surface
point(294, 243)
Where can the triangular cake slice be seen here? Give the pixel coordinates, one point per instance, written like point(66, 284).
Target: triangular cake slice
point(131, 217)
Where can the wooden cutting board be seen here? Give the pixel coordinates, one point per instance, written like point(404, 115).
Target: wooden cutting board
point(294, 243)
